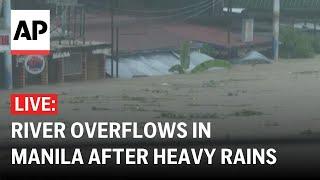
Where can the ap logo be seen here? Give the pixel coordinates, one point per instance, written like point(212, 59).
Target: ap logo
point(30, 32)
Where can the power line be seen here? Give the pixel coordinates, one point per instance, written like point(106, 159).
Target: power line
point(189, 13)
point(163, 11)
point(186, 12)
point(197, 14)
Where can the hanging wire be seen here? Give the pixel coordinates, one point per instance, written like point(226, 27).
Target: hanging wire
point(176, 15)
point(163, 11)
point(169, 18)
point(197, 14)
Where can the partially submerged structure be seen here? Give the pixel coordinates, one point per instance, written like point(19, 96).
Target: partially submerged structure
point(67, 62)
point(75, 58)
point(154, 63)
point(71, 58)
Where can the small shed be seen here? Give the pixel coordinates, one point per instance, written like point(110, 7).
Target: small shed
point(73, 61)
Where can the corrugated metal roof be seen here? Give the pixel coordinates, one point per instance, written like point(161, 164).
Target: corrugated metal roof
point(155, 64)
point(285, 4)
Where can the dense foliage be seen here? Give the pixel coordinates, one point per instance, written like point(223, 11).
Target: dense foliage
point(298, 44)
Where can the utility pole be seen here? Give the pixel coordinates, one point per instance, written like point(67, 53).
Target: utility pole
point(276, 29)
point(117, 52)
point(112, 36)
point(229, 27)
point(7, 56)
point(84, 25)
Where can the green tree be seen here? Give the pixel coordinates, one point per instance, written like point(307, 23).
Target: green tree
point(297, 44)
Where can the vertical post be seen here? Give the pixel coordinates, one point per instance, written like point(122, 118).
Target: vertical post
point(84, 26)
point(276, 29)
point(75, 13)
point(69, 23)
point(315, 27)
point(80, 21)
point(229, 27)
point(64, 19)
point(7, 56)
point(59, 9)
point(117, 52)
point(112, 37)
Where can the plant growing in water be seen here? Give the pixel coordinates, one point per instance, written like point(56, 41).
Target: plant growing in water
point(184, 59)
point(185, 62)
point(211, 64)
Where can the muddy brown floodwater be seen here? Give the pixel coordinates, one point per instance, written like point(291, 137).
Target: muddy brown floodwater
point(274, 101)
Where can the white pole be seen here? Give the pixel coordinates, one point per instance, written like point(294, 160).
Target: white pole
point(213, 7)
point(276, 28)
point(7, 56)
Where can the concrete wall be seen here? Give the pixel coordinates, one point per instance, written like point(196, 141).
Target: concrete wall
point(19, 75)
point(95, 66)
